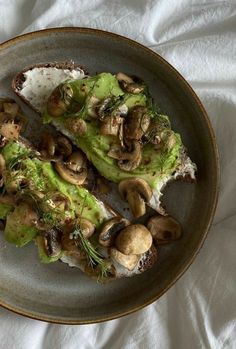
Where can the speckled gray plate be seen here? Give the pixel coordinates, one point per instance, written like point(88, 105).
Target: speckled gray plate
point(61, 294)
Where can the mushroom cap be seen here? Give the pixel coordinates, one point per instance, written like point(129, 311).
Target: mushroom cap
point(128, 261)
point(164, 229)
point(134, 239)
point(110, 230)
point(138, 185)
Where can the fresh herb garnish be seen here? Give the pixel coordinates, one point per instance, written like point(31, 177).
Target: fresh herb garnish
point(93, 256)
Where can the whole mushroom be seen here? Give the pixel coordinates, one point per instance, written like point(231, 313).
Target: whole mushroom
point(164, 229)
point(137, 192)
point(134, 239)
point(74, 170)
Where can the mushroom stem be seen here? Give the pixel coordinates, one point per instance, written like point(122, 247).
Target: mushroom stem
point(136, 203)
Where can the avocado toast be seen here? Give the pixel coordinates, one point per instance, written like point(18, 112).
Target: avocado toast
point(113, 119)
point(44, 199)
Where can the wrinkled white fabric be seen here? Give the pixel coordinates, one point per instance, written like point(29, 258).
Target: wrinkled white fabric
point(199, 38)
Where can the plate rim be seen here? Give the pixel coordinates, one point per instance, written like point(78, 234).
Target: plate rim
point(84, 30)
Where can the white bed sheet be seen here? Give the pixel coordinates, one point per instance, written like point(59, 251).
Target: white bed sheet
point(199, 39)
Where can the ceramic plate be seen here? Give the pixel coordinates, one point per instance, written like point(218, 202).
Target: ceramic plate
point(61, 294)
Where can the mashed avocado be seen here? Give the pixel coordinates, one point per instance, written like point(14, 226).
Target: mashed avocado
point(40, 185)
point(4, 210)
point(156, 164)
point(19, 228)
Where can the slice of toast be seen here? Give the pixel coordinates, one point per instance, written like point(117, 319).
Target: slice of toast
point(35, 84)
point(146, 260)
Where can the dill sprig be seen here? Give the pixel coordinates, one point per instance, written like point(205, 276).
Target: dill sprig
point(93, 256)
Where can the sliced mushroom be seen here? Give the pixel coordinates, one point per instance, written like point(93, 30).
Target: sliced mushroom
point(128, 261)
point(87, 228)
point(60, 100)
point(55, 147)
point(56, 201)
point(110, 230)
point(52, 243)
point(128, 84)
point(137, 192)
point(128, 159)
point(134, 239)
point(110, 125)
point(164, 229)
point(74, 170)
point(136, 123)
point(77, 126)
point(9, 129)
